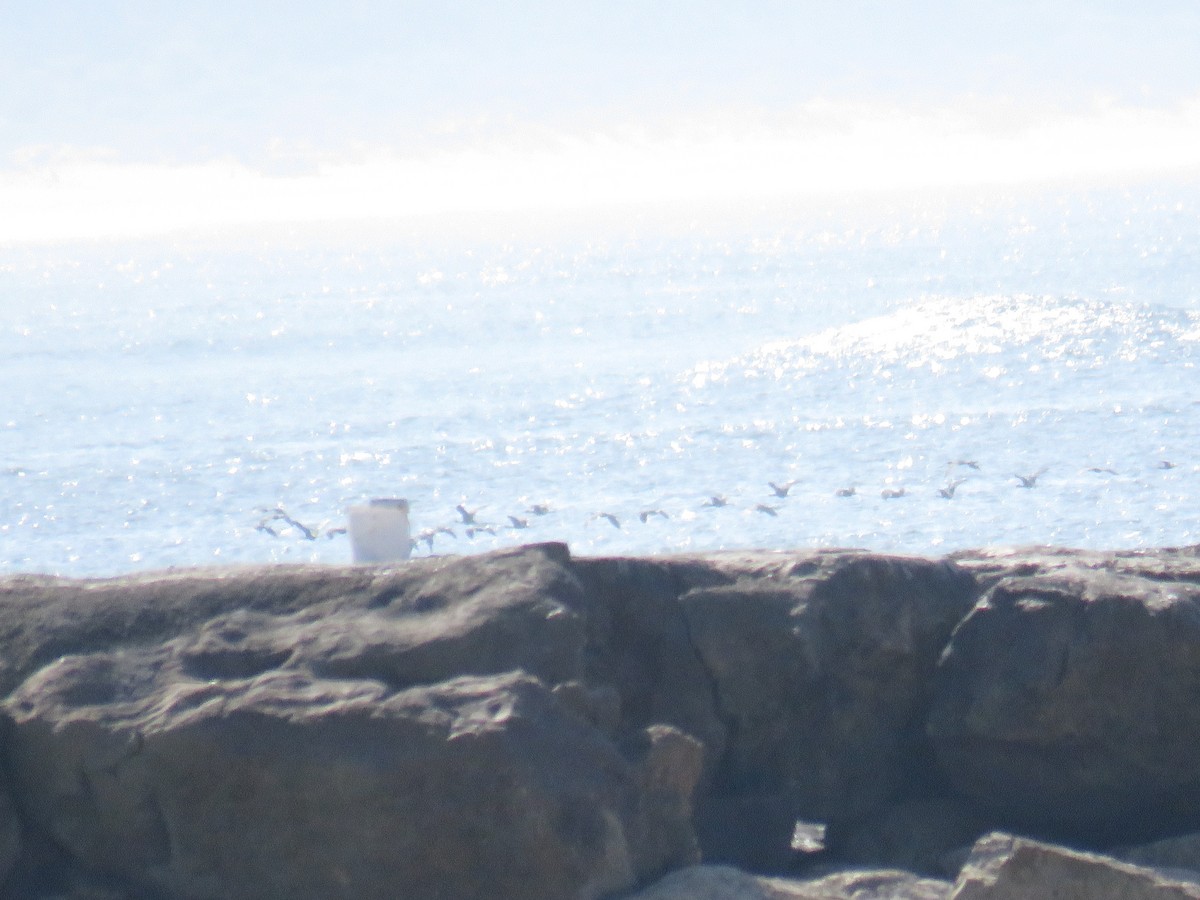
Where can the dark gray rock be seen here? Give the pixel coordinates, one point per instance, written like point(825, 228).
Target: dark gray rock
point(283, 785)
point(806, 676)
point(1066, 704)
point(822, 672)
point(187, 732)
point(915, 835)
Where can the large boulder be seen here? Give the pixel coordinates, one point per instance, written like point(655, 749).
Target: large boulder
point(283, 785)
point(195, 733)
point(1066, 703)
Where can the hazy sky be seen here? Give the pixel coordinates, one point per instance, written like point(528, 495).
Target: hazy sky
point(279, 87)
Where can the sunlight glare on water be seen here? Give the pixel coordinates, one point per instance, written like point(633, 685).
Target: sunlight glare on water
point(165, 397)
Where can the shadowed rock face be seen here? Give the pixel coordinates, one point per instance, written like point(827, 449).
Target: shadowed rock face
point(527, 724)
point(1067, 702)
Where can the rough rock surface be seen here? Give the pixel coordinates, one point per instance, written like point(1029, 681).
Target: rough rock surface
point(1066, 702)
point(727, 883)
point(529, 724)
point(1005, 867)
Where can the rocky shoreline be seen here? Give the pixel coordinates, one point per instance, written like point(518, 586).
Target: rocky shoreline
point(529, 724)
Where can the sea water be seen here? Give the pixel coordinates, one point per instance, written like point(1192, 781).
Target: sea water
point(225, 398)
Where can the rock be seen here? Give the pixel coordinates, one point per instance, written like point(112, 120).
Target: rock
point(748, 830)
point(185, 733)
point(1004, 867)
point(638, 644)
point(1065, 704)
point(668, 764)
point(823, 672)
point(417, 622)
point(11, 843)
point(727, 883)
point(1180, 851)
point(527, 724)
point(806, 676)
point(286, 785)
point(914, 835)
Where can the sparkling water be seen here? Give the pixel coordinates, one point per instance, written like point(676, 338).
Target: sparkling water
point(630, 385)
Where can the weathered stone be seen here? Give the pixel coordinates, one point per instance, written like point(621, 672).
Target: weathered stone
point(1066, 703)
point(1181, 851)
point(10, 835)
point(185, 733)
point(638, 643)
point(748, 830)
point(915, 835)
point(1004, 867)
point(283, 785)
point(436, 617)
point(822, 674)
point(727, 883)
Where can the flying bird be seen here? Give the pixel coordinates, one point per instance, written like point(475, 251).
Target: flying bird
point(715, 500)
point(279, 514)
point(892, 493)
point(766, 509)
point(468, 515)
point(1029, 481)
point(609, 518)
point(781, 490)
point(949, 489)
point(646, 514)
point(427, 535)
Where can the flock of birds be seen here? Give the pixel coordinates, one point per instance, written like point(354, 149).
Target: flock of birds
point(277, 522)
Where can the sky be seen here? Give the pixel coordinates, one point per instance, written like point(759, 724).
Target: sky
point(130, 116)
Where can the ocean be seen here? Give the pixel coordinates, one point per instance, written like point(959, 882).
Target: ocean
point(629, 383)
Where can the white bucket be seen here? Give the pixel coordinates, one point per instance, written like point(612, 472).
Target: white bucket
point(379, 532)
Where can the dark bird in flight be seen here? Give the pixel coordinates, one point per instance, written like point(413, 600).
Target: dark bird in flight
point(538, 509)
point(1029, 481)
point(715, 500)
point(948, 490)
point(281, 514)
point(518, 523)
point(766, 510)
point(845, 492)
point(1165, 464)
point(468, 515)
point(426, 536)
point(892, 493)
point(609, 518)
point(781, 490)
point(646, 514)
